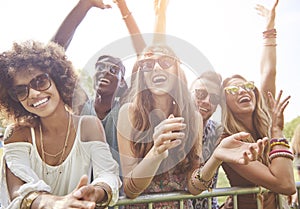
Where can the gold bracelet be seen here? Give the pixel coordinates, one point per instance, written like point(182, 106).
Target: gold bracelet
point(126, 16)
point(28, 199)
point(108, 194)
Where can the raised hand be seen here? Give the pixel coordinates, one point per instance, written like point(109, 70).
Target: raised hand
point(233, 150)
point(160, 6)
point(268, 14)
point(277, 108)
point(100, 4)
point(168, 135)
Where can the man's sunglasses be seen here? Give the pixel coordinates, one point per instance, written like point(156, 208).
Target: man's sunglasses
point(248, 86)
point(164, 62)
point(113, 69)
point(41, 82)
point(201, 94)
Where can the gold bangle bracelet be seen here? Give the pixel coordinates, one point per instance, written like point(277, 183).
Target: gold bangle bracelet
point(28, 199)
point(108, 194)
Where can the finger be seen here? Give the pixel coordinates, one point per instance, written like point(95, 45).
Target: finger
point(164, 138)
point(275, 5)
point(168, 145)
point(245, 160)
point(105, 6)
point(253, 153)
point(284, 106)
point(82, 182)
point(168, 128)
point(169, 120)
point(240, 136)
point(260, 147)
point(271, 99)
point(279, 96)
point(83, 204)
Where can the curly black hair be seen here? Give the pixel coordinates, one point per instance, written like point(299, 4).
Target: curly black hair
point(49, 58)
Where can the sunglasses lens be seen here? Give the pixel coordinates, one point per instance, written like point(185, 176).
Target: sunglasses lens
point(200, 94)
point(146, 64)
point(232, 89)
point(19, 93)
point(41, 82)
point(166, 62)
point(214, 99)
point(114, 69)
point(249, 86)
point(100, 66)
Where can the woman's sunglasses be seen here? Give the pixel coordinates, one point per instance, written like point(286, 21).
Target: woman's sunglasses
point(113, 69)
point(201, 94)
point(248, 86)
point(41, 82)
point(164, 62)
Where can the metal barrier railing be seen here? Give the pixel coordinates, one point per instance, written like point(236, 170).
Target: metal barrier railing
point(181, 196)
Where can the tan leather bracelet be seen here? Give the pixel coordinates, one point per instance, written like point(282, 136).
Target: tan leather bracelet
point(106, 188)
point(28, 199)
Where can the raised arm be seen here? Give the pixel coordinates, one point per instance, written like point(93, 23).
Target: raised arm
point(133, 29)
point(67, 29)
point(160, 8)
point(268, 59)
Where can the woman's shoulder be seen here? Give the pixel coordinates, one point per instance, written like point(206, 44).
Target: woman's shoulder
point(17, 133)
point(91, 128)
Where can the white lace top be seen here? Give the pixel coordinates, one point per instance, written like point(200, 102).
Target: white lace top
point(24, 161)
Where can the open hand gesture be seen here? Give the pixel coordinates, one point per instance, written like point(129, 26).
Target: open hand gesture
point(233, 150)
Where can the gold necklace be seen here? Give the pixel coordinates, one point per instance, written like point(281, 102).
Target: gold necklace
point(63, 149)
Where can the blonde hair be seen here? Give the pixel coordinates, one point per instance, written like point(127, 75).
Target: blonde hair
point(260, 117)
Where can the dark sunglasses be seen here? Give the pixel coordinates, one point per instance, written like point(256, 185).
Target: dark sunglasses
point(248, 86)
point(113, 69)
point(164, 62)
point(201, 94)
point(41, 82)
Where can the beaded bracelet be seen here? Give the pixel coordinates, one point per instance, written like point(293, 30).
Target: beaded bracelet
point(280, 150)
point(281, 154)
point(197, 174)
point(270, 33)
point(279, 140)
point(279, 143)
point(193, 177)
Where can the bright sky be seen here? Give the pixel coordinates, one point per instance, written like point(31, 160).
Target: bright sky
point(228, 33)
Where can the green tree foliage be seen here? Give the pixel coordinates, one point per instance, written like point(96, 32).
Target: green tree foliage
point(289, 127)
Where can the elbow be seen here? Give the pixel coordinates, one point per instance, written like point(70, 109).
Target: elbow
point(287, 188)
point(130, 195)
point(290, 190)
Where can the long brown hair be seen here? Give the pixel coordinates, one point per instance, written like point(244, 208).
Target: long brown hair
point(144, 121)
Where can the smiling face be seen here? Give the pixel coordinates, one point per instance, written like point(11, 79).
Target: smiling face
point(108, 76)
point(206, 97)
point(41, 102)
point(160, 72)
point(240, 96)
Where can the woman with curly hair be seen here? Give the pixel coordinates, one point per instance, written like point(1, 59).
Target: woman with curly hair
point(52, 158)
point(160, 135)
